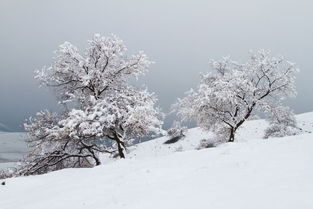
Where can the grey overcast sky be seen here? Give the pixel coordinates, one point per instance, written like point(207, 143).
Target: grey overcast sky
point(179, 35)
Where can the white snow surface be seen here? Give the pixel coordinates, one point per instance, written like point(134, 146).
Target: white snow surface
point(249, 173)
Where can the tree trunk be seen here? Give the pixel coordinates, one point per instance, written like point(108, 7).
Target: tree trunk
point(233, 129)
point(97, 161)
point(120, 145)
point(231, 135)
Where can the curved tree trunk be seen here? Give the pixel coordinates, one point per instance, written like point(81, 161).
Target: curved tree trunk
point(120, 146)
point(233, 129)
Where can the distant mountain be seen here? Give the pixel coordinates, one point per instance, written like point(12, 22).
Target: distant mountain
point(12, 148)
point(4, 128)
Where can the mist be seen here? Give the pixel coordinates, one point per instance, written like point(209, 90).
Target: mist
point(180, 36)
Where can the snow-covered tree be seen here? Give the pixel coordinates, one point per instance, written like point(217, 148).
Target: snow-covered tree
point(102, 113)
point(227, 97)
point(282, 123)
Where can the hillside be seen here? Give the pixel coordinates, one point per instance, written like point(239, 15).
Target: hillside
point(249, 173)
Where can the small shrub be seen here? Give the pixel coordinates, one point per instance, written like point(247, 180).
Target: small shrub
point(282, 123)
point(7, 173)
point(279, 130)
point(177, 130)
point(175, 133)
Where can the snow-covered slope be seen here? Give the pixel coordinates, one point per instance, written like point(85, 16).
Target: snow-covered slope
point(251, 130)
point(249, 173)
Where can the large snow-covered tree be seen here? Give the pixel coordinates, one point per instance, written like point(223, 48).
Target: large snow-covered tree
point(102, 111)
point(229, 95)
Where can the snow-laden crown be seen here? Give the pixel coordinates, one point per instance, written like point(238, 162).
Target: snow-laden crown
point(103, 112)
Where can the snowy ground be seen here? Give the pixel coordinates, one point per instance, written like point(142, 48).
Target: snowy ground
point(249, 173)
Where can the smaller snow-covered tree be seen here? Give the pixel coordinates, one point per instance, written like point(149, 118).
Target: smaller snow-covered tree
point(282, 123)
point(103, 112)
point(228, 97)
